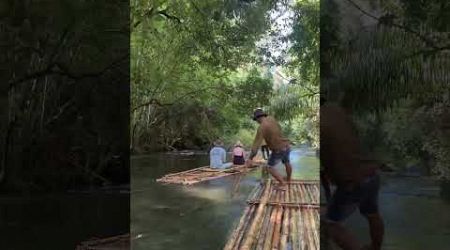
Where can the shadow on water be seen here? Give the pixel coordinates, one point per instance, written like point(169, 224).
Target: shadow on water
point(192, 217)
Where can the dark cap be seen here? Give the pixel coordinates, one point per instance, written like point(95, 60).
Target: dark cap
point(258, 113)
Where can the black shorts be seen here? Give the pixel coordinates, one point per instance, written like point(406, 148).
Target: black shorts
point(344, 202)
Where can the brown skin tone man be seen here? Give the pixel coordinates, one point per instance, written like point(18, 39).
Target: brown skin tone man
point(356, 178)
point(270, 131)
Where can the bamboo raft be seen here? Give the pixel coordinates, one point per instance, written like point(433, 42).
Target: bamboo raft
point(120, 242)
point(275, 219)
point(201, 174)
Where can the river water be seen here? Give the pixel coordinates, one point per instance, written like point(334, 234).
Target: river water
point(415, 216)
point(193, 217)
point(201, 216)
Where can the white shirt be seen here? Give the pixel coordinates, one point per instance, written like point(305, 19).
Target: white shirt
point(217, 156)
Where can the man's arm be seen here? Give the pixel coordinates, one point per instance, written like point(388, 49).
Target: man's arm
point(256, 143)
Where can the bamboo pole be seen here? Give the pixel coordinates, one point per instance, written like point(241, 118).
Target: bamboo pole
point(304, 194)
point(287, 204)
point(297, 195)
point(256, 222)
point(278, 223)
point(242, 233)
point(264, 227)
point(314, 229)
point(303, 233)
point(290, 193)
point(277, 229)
point(254, 192)
point(285, 228)
point(196, 175)
point(187, 171)
point(295, 232)
point(234, 235)
point(270, 230)
point(309, 227)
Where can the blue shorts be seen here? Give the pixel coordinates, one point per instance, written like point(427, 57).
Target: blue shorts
point(344, 202)
point(277, 156)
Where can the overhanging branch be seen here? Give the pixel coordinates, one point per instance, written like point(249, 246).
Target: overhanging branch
point(382, 20)
point(57, 68)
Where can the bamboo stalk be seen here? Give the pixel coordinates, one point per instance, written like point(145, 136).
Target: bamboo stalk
point(308, 227)
point(254, 192)
point(256, 222)
point(278, 224)
point(285, 204)
point(285, 228)
point(192, 176)
point(295, 230)
point(314, 228)
point(306, 182)
point(290, 193)
point(232, 240)
point(187, 171)
point(297, 195)
point(264, 227)
point(303, 233)
point(242, 233)
point(270, 230)
point(304, 194)
point(312, 193)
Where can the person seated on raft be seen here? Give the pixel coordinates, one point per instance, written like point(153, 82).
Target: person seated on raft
point(238, 154)
point(218, 156)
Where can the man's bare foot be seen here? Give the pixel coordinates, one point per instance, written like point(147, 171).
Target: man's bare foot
point(281, 187)
point(288, 180)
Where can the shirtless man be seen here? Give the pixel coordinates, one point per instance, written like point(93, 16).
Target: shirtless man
point(270, 131)
point(356, 178)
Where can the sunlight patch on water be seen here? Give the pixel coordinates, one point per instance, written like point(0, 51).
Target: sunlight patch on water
point(216, 194)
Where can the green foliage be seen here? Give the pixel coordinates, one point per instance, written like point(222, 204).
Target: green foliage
point(194, 77)
point(298, 102)
point(393, 76)
point(305, 37)
point(254, 91)
point(186, 53)
point(64, 94)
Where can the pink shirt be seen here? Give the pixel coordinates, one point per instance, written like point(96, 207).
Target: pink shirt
point(238, 151)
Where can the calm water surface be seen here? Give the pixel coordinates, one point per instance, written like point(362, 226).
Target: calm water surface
point(192, 217)
point(202, 216)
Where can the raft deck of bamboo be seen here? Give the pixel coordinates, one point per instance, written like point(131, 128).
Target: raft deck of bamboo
point(275, 219)
point(120, 242)
point(201, 174)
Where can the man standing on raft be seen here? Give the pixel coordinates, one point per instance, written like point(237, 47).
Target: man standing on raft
point(270, 131)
